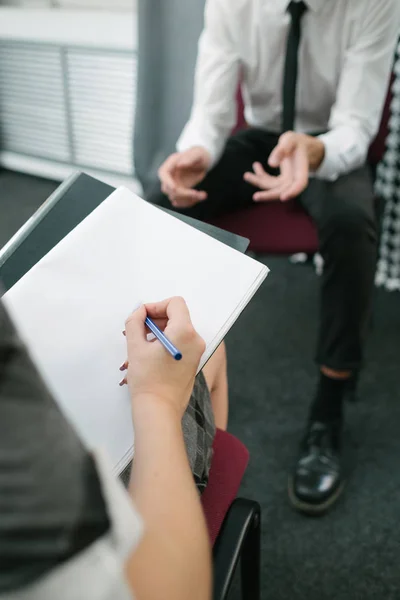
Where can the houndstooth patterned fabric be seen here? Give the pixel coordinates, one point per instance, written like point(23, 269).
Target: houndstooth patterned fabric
point(388, 188)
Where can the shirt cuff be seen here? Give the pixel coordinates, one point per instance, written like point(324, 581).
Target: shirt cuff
point(344, 152)
point(204, 135)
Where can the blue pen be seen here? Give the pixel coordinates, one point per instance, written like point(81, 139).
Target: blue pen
point(168, 345)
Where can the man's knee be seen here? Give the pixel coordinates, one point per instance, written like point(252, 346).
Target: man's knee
point(347, 225)
point(349, 212)
point(348, 220)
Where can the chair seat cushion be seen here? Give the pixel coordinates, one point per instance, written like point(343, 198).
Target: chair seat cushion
point(273, 227)
point(228, 467)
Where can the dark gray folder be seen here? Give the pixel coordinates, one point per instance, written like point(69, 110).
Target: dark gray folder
point(72, 202)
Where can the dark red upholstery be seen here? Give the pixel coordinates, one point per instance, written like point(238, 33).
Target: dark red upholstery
point(274, 227)
point(228, 467)
point(284, 228)
point(378, 145)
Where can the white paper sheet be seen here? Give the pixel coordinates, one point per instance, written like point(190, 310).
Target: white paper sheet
point(70, 308)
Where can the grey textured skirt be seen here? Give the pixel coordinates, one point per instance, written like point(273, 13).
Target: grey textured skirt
point(198, 430)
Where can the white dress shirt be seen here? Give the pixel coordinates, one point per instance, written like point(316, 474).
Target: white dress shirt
point(345, 57)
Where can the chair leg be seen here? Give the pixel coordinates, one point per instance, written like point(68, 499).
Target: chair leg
point(238, 542)
point(251, 560)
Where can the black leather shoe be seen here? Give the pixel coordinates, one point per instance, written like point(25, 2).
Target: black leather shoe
point(317, 480)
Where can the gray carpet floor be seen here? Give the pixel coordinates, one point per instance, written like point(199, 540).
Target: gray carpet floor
point(352, 553)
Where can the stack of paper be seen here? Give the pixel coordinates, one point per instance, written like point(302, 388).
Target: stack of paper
point(70, 308)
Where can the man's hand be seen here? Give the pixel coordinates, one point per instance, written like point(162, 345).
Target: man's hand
point(295, 154)
point(181, 172)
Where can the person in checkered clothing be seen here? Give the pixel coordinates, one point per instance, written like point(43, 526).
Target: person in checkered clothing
point(388, 188)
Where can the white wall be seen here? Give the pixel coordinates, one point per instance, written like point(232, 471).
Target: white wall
point(26, 3)
point(107, 4)
point(85, 4)
point(68, 90)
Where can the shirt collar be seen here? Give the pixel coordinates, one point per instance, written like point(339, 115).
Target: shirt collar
point(314, 5)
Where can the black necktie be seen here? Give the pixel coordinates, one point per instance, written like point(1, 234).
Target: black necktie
point(296, 10)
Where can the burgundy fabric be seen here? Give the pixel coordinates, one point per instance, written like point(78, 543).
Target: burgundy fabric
point(378, 145)
point(240, 120)
point(228, 467)
point(273, 227)
point(278, 228)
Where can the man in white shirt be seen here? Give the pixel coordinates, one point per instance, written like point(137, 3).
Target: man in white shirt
point(314, 77)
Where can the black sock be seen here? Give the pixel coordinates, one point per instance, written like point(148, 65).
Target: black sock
point(328, 403)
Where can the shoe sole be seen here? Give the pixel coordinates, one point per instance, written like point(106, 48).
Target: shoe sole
point(313, 509)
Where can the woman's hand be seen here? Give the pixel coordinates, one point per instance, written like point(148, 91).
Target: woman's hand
point(153, 374)
point(175, 541)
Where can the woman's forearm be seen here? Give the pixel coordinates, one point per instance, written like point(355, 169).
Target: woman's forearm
point(173, 560)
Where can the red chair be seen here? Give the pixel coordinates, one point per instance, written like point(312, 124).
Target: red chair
point(285, 228)
point(234, 524)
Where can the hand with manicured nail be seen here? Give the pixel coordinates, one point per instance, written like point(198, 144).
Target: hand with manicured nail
point(161, 323)
point(152, 373)
point(123, 367)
